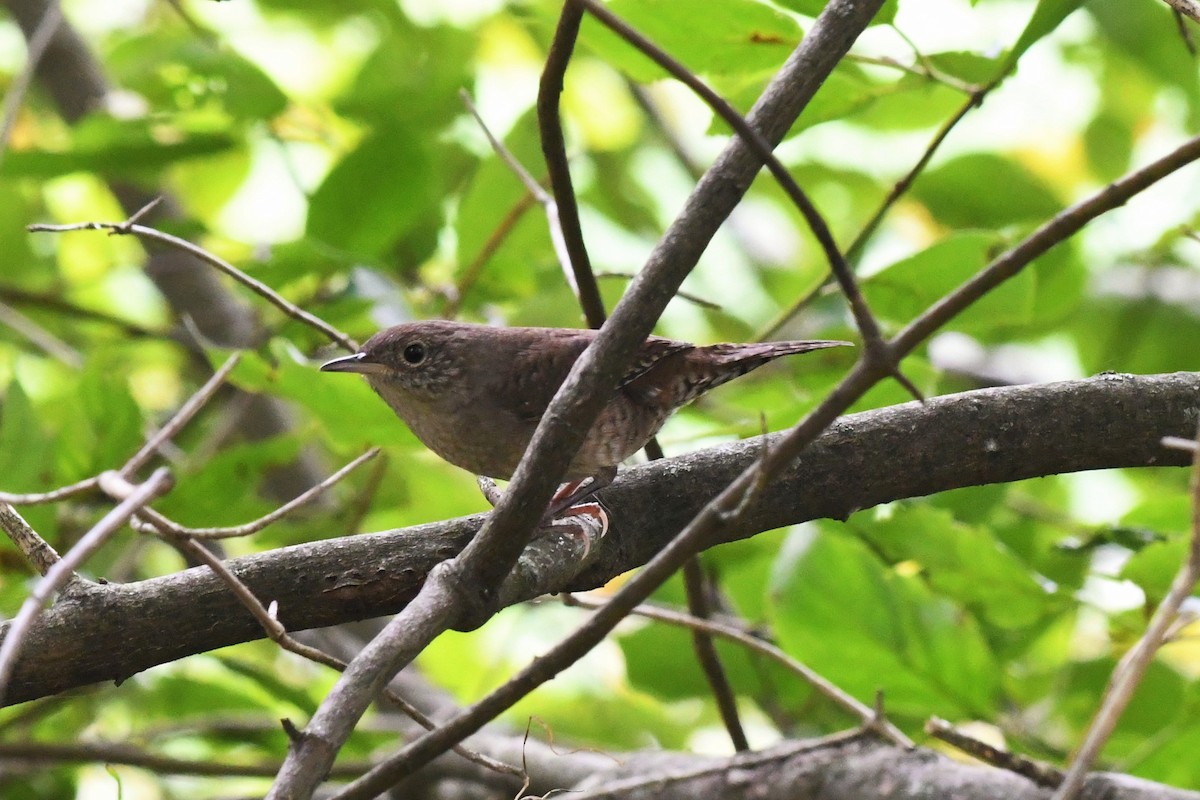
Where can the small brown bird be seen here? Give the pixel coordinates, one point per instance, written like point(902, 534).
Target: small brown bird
point(474, 394)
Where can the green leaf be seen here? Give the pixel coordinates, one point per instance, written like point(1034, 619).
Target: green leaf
point(378, 193)
point(115, 147)
point(178, 70)
point(26, 451)
point(868, 629)
point(1154, 567)
point(731, 37)
point(985, 190)
point(343, 404)
point(961, 562)
point(906, 288)
point(413, 77)
point(1149, 37)
point(105, 424)
point(1048, 15)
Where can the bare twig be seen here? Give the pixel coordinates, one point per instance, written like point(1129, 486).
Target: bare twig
point(15, 296)
point(256, 286)
point(276, 632)
point(901, 187)
point(37, 550)
point(1132, 667)
point(925, 70)
point(554, 148)
point(181, 418)
point(113, 753)
point(1039, 773)
point(52, 496)
point(1178, 443)
point(41, 337)
point(64, 569)
point(39, 40)
point(691, 298)
point(1188, 8)
point(1064, 225)
point(544, 198)
point(473, 270)
point(865, 714)
point(162, 523)
point(696, 584)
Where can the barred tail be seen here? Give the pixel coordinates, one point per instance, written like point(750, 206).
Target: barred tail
point(713, 365)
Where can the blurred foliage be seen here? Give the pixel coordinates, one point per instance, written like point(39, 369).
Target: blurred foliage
point(324, 148)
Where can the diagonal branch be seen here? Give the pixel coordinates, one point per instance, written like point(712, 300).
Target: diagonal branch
point(451, 590)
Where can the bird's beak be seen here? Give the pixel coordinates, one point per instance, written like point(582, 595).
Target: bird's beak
point(353, 363)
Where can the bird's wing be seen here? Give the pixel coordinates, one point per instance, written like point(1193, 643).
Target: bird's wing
point(538, 370)
point(652, 351)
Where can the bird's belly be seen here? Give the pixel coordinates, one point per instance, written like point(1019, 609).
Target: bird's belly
point(622, 429)
point(493, 446)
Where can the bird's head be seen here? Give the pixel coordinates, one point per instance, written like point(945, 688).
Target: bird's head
point(417, 359)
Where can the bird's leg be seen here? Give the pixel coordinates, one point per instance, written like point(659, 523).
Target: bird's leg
point(567, 496)
point(588, 521)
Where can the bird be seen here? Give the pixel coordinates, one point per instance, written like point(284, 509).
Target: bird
point(473, 394)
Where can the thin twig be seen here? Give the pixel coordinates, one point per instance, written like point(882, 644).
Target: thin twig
point(1056, 230)
point(181, 418)
point(39, 336)
point(64, 569)
point(926, 70)
point(489, 248)
point(695, 584)
point(276, 632)
point(256, 286)
point(691, 298)
point(53, 496)
point(898, 190)
point(14, 296)
point(39, 40)
point(544, 198)
point(37, 550)
point(865, 714)
point(1188, 8)
point(876, 349)
point(1039, 773)
point(162, 523)
point(1128, 673)
point(554, 149)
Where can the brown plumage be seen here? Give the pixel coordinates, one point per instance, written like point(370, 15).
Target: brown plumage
point(474, 394)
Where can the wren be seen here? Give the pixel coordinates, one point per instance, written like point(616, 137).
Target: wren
point(474, 394)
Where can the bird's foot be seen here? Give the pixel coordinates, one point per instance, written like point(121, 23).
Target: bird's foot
point(565, 500)
point(588, 520)
point(570, 493)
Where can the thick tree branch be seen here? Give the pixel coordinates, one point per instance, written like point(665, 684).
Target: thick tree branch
point(910, 450)
point(841, 767)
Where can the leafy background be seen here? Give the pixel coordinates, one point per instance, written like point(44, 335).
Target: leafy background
point(324, 148)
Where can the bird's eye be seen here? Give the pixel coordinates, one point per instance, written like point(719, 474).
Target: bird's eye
point(414, 353)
